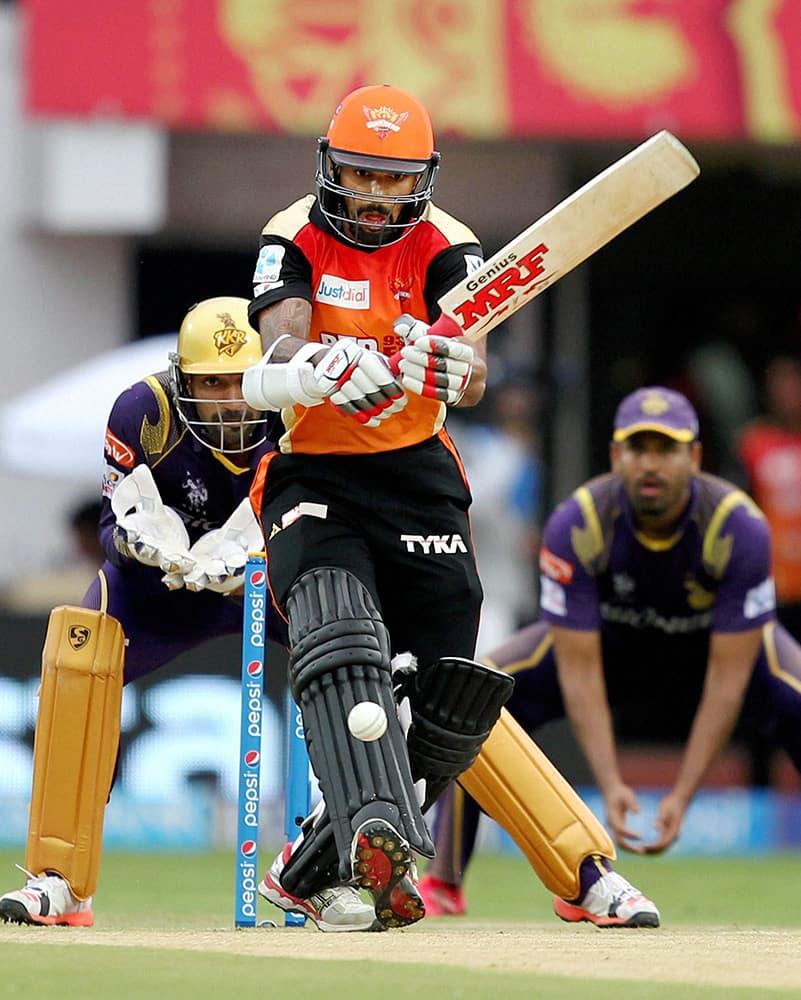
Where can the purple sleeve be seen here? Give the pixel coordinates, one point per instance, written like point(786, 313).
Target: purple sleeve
point(123, 451)
point(745, 598)
point(568, 593)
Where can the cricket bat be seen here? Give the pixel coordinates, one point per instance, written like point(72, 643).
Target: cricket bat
point(566, 236)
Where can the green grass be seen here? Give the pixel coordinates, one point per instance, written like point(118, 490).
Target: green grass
point(133, 974)
point(158, 890)
point(194, 892)
point(721, 892)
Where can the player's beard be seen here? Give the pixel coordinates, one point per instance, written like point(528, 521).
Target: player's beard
point(371, 233)
point(667, 503)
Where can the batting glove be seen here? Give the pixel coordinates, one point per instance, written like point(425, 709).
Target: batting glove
point(432, 366)
point(359, 383)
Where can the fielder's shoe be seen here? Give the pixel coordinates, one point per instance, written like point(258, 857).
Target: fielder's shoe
point(337, 909)
point(45, 899)
point(610, 901)
point(383, 864)
point(441, 898)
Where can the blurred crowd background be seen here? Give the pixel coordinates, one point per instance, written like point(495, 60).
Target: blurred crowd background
point(145, 145)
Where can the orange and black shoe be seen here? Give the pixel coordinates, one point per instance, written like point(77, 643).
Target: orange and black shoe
point(383, 864)
point(610, 901)
point(45, 900)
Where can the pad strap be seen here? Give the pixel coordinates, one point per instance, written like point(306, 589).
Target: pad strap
point(454, 705)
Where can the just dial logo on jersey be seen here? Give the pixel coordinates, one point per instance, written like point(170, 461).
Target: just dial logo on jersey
point(346, 294)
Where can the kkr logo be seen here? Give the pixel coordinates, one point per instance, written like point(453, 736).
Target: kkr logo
point(230, 339)
point(509, 278)
point(434, 544)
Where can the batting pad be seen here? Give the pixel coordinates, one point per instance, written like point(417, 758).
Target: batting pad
point(515, 783)
point(75, 747)
point(340, 657)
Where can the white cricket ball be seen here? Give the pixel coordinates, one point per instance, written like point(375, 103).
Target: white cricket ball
point(367, 721)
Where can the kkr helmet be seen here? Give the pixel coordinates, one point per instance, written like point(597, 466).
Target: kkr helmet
point(384, 129)
point(216, 338)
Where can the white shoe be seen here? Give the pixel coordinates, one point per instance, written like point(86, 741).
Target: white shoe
point(45, 899)
point(610, 902)
point(338, 909)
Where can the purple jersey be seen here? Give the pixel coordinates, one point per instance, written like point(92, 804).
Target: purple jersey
point(203, 486)
point(712, 575)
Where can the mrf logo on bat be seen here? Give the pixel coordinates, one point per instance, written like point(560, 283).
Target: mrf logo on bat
point(493, 289)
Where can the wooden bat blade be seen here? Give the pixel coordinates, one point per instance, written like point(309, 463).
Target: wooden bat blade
point(570, 233)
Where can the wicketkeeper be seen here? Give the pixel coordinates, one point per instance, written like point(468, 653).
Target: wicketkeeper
point(181, 450)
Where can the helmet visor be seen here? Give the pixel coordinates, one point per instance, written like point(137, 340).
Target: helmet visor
point(380, 164)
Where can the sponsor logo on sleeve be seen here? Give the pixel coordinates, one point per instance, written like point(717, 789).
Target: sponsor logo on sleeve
point(552, 597)
point(268, 266)
point(554, 567)
point(346, 294)
point(111, 479)
point(118, 451)
point(760, 599)
point(472, 262)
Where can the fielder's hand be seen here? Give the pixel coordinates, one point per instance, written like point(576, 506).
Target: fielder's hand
point(430, 365)
point(359, 383)
point(220, 555)
point(621, 800)
point(146, 529)
point(668, 823)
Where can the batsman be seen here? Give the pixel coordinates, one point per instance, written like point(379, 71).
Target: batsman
point(364, 509)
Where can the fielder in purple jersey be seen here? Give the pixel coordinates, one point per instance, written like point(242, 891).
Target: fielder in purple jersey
point(181, 450)
point(655, 591)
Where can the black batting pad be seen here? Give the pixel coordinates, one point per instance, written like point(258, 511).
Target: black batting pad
point(340, 657)
point(455, 703)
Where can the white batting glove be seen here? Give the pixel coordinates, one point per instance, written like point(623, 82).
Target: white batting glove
point(359, 383)
point(220, 555)
point(432, 366)
point(146, 529)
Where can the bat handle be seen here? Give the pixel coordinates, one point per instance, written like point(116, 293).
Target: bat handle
point(445, 326)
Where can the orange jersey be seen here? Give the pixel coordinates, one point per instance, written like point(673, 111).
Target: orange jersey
point(360, 293)
point(772, 458)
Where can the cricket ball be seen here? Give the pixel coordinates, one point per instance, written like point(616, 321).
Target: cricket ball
point(367, 721)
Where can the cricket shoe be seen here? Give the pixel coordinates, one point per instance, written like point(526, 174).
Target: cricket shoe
point(45, 899)
point(383, 864)
point(441, 898)
point(610, 901)
point(339, 909)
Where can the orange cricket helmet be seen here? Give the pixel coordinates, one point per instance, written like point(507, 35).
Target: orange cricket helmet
point(385, 130)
